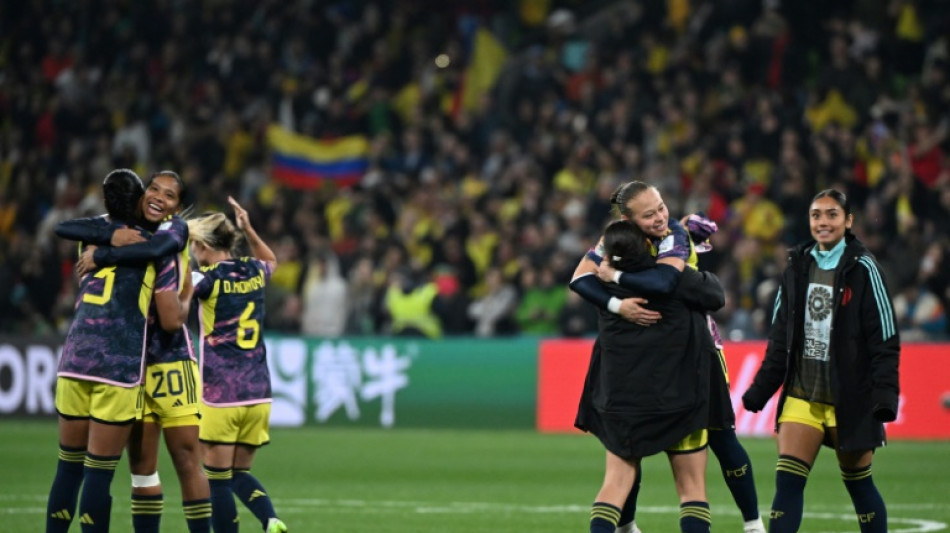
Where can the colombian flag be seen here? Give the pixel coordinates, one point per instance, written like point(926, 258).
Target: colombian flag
point(305, 163)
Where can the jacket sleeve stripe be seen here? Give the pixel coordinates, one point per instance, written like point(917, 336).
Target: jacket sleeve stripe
point(880, 297)
point(778, 303)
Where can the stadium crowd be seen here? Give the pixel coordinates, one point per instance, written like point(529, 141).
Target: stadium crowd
point(472, 215)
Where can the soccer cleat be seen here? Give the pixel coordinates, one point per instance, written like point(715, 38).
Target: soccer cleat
point(754, 526)
point(274, 525)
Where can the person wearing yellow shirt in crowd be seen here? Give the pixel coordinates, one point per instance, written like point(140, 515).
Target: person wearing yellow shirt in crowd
point(409, 306)
point(758, 222)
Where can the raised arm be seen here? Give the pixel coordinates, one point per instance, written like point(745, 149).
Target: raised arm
point(259, 248)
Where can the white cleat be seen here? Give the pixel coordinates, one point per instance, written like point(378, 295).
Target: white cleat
point(754, 526)
point(629, 528)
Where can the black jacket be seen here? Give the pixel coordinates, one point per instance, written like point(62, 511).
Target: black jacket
point(865, 345)
point(648, 387)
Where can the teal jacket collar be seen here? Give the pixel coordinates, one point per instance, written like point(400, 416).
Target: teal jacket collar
point(828, 260)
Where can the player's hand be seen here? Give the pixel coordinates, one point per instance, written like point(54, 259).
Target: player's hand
point(86, 263)
point(632, 309)
point(605, 272)
point(700, 227)
point(240, 214)
point(125, 236)
point(753, 400)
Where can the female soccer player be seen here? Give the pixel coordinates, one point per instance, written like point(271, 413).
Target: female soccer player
point(673, 246)
point(170, 385)
point(237, 391)
point(647, 389)
point(100, 370)
point(834, 350)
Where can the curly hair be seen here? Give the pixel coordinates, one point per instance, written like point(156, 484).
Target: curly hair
point(121, 190)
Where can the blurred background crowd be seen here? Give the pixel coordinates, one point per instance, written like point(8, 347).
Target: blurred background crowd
point(476, 206)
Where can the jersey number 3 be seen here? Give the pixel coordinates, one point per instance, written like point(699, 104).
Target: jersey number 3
point(108, 275)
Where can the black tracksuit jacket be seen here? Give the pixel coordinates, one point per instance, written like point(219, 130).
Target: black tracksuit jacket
point(865, 345)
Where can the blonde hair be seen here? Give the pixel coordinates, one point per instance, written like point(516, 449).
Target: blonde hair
point(214, 230)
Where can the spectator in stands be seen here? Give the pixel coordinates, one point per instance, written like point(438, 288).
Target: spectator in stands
point(542, 300)
point(695, 110)
point(324, 296)
point(409, 303)
point(493, 313)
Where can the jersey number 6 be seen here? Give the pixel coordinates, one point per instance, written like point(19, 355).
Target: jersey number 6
point(249, 329)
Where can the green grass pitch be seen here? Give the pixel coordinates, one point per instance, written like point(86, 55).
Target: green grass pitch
point(359, 480)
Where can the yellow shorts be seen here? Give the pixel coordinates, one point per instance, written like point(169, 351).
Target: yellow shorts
point(172, 391)
point(693, 442)
point(246, 424)
point(109, 404)
point(817, 415)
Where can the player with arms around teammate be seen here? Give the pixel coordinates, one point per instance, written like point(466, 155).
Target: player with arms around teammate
point(237, 392)
point(647, 388)
point(671, 243)
point(97, 389)
point(171, 383)
point(834, 349)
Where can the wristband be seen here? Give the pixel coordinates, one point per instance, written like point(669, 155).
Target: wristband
point(614, 305)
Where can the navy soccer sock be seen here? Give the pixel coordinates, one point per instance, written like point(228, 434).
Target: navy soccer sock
point(61, 505)
point(736, 470)
point(95, 500)
point(250, 491)
point(224, 517)
point(868, 504)
point(147, 512)
point(791, 474)
point(198, 515)
point(629, 512)
point(695, 517)
point(603, 518)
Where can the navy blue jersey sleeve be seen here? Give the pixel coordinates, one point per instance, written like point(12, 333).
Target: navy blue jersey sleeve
point(661, 279)
point(159, 245)
point(93, 230)
point(172, 236)
point(590, 289)
point(675, 244)
point(203, 283)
